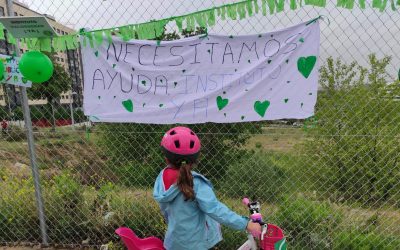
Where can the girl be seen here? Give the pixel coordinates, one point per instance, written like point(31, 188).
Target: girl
point(187, 200)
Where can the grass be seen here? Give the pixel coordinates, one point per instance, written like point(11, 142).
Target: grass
point(277, 139)
point(71, 151)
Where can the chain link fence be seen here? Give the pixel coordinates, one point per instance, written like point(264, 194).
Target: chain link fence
point(331, 181)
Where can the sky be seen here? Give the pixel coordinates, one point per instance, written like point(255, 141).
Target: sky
point(346, 34)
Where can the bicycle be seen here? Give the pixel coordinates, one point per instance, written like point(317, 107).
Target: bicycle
point(271, 238)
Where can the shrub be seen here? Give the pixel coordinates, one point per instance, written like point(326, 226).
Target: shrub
point(62, 113)
point(65, 209)
point(15, 133)
point(18, 212)
point(140, 144)
point(79, 116)
point(4, 114)
point(308, 224)
point(242, 179)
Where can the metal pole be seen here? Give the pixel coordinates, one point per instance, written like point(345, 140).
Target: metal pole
point(31, 145)
point(72, 110)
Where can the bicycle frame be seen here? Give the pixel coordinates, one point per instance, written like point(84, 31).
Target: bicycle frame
point(250, 244)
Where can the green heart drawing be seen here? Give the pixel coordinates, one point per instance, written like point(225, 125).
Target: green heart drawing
point(128, 105)
point(96, 53)
point(301, 40)
point(261, 107)
point(280, 245)
point(286, 100)
point(306, 64)
point(221, 102)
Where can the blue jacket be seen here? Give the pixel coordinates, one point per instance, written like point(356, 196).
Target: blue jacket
point(194, 224)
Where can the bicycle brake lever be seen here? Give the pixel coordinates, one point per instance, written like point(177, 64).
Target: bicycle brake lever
point(264, 231)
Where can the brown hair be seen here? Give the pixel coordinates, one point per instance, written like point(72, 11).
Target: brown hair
point(185, 181)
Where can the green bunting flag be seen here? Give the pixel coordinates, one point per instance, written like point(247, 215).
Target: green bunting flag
point(204, 18)
point(1, 32)
point(45, 44)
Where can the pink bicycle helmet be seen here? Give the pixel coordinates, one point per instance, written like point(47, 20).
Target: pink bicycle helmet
point(181, 144)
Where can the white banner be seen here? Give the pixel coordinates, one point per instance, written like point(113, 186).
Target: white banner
point(11, 72)
point(204, 78)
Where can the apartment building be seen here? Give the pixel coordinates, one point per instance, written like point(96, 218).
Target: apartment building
point(70, 60)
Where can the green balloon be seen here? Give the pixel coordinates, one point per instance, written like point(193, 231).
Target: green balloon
point(36, 66)
point(2, 68)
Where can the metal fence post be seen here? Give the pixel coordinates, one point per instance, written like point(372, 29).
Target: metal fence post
point(31, 146)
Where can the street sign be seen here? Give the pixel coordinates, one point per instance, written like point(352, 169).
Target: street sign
point(28, 26)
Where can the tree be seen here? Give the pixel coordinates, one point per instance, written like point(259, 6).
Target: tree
point(354, 147)
point(52, 89)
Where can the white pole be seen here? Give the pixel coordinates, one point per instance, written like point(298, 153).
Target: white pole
point(72, 110)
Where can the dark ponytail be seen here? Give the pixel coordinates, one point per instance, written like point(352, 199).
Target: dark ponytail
point(185, 181)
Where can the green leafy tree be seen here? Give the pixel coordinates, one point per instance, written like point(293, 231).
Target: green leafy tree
point(354, 144)
point(52, 89)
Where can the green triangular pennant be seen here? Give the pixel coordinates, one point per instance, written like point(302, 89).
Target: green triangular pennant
point(271, 6)
point(160, 27)
point(22, 43)
point(108, 35)
point(140, 31)
point(200, 20)
point(189, 23)
point(11, 39)
point(89, 35)
point(56, 44)
point(71, 41)
point(249, 7)
point(63, 44)
point(211, 18)
point(125, 33)
point(293, 4)
point(322, 3)
point(1, 32)
point(280, 5)
point(223, 14)
point(45, 44)
point(376, 3)
point(178, 22)
point(98, 37)
point(32, 43)
point(393, 5)
point(264, 7)
point(362, 4)
point(232, 13)
point(256, 7)
point(242, 13)
point(383, 5)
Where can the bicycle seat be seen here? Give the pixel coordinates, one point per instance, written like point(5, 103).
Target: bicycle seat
point(132, 242)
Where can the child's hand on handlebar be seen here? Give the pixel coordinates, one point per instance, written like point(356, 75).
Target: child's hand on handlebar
point(254, 228)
